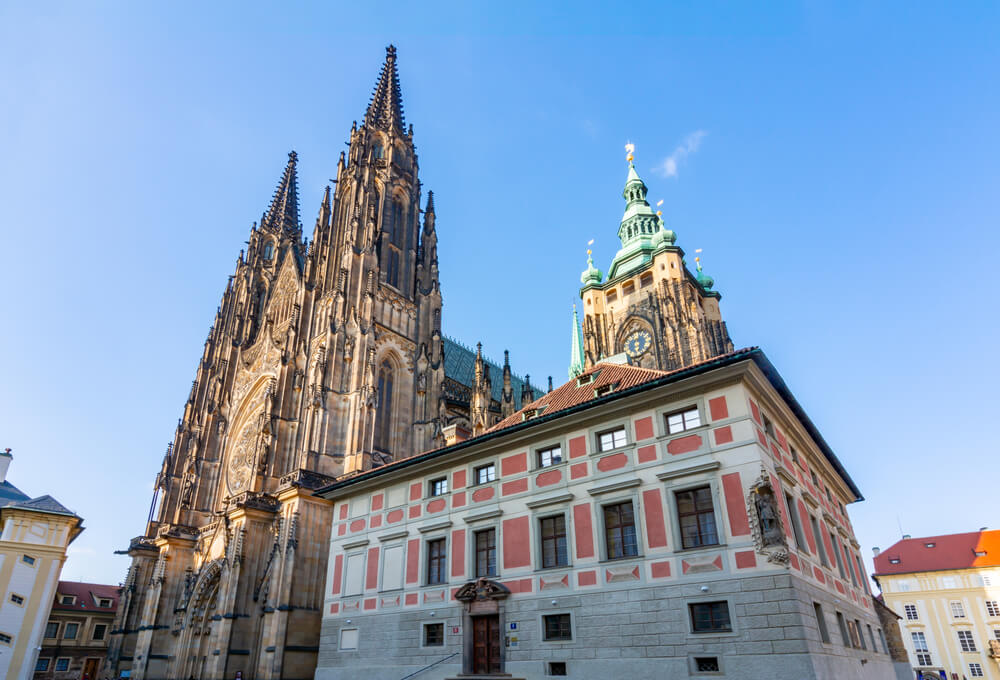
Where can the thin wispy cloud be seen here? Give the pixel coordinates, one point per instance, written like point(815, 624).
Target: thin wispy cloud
point(668, 168)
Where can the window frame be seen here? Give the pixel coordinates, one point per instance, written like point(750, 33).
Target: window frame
point(612, 430)
point(475, 552)
point(432, 487)
point(636, 528)
point(76, 630)
point(824, 631)
point(48, 664)
point(442, 560)
point(682, 412)
point(678, 515)
point(975, 666)
point(956, 608)
point(992, 609)
point(824, 560)
point(15, 602)
point(424, 626)
point(544, 628)
point(690, 605)
point(52, 637)
point(104, 631)
point(798, 533)
point(539, 465)
point(970, 638)
point(540, 521)
point(475, 473)
point(30, 560)
point(907, 609)
point(55, 666)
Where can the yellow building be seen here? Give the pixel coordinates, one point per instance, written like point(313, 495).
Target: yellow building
point(947, 591)
point(34, 535)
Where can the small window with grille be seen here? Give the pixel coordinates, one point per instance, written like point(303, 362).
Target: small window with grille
point(706, 664)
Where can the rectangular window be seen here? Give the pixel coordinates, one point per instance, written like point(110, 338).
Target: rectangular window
point(824, 560)
point(841, 623)
point(42, 665)
point(67, 599)
point(433, 635)
point(769, 427)
point(51, 629)
point(852, 629)
point(957, 610)
point(800, 539)
point(836, 554)
point(795, 455)
point(5, 639)
point(710, 617)
point(104, 603)
point(99, 631)
point(69, 633)
point(966, 640)
point(348, 638)
point(911, 612)
point(619, 530)
point(486, 552)
point(628, 288)
point(557, 668)
point(821, 621)
point(919, 642)
point(486, 474)
point(549, 456)
point(871, 634)
point(438, 487)
point(696, 515)
point(28, 559)
point(16, 599)
point(706, 664)
point(436, 561)
point(861, 573)
point(612, 439)
point(686, 419)
point(62, 664)
point(553, 530)
point(881, 638)
point(992, 608)
point(924, 659)
point(861, 634)
point(557, 627)
point(975, 670)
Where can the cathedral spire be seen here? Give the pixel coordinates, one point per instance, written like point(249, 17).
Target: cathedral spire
point(385, 111)
point(283, 214)
point(576, 348)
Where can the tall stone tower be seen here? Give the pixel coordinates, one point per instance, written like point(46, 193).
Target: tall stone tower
point(650, 307)
point(325, 358)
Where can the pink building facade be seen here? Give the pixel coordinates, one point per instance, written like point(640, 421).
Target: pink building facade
point(630, 523)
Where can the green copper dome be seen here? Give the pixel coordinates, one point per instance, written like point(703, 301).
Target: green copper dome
point(591, 274)
point(704, 279)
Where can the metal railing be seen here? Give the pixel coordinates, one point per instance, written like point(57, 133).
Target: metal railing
point(414, 673)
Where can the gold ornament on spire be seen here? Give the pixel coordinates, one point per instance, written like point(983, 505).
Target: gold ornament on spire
point(629, 151)
point(659, 213)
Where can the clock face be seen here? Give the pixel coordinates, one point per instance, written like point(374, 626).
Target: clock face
point(638, 343)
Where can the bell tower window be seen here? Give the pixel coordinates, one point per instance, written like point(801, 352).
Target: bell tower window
point(269, 251)
point(397, 232)
point(383, 417)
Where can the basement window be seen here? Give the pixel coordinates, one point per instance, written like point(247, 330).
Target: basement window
point(706, 664)
point(557, 668)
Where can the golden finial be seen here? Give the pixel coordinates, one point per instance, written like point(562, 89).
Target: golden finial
point(629, 151)
point(697, 259)
point(659, 213)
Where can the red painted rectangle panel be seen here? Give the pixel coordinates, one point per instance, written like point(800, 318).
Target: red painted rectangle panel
point(458, 479)
point(746, 559)
point(458, 499)
point(517, 486)
point(577, 447)
point(343, 511)
point(411, 598)
point(718, 408)
point(583, 525)
point(416, 491)
point(735, 505)
point(458, 553)
point(377, 501)
point(587, 578)
point(646, 454)
point(413, 560)
point(681, 445)
point(577, 470)
point(656, 529)
point(338, 571)
point(756, 412)
point(371, 568)
point(512, 465)
point(370, 603)
point(516, 543)
point(414, 511)
point(643, 429)
point(660, 569)
point(723, 435)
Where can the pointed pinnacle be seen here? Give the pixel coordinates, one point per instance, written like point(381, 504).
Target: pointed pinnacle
point(283, 214)
point(386, 108)
point(430, 202)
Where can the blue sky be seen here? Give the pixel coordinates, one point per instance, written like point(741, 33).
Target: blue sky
point(837, 163)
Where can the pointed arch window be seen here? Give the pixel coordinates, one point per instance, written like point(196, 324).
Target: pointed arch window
point(383, 417)
point(269, 251)
point(397, 232)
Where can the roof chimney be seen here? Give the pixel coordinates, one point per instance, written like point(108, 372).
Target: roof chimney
point(906, 537)
point(876, 551)
point(5, 458)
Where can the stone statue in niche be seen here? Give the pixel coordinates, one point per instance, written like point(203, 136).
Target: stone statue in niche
point(765, 521)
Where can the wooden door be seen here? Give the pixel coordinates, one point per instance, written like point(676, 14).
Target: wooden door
point(486, 644)
point(90, 669)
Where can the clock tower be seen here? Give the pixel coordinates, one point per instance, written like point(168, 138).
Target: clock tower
point(651, 307)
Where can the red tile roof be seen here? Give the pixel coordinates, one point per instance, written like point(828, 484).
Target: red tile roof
point(88, 597)
point(612, 377)
point(953, 551)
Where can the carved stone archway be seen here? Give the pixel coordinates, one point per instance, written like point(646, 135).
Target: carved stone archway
point(482, 599)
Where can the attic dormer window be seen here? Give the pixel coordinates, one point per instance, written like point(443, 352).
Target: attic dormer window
point(67, 599)
point(929, 545)
point(980, 553)
point(269, 251)
point(604, 389)
point(893, 560)
point(585, 379)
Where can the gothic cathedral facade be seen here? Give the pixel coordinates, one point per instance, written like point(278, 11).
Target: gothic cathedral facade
point(325, 358)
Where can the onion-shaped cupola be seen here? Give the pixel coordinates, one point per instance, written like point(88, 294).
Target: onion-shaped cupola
point(704, 279)
point(591, 275)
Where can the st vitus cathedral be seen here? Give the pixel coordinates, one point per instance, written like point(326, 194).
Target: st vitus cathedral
point(652, 309)
point(325, 358)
